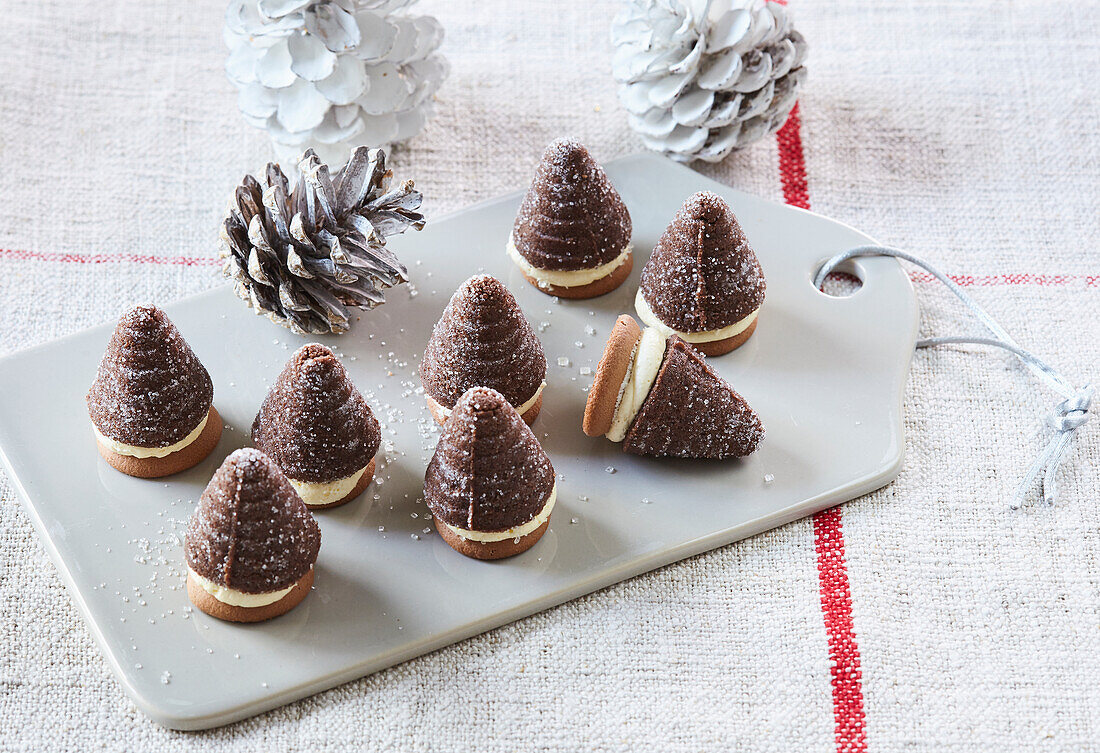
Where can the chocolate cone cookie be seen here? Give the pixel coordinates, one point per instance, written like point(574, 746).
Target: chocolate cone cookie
point(151, 402)
point(483, 340)
point(251, 543)
point(318, 429)
point(572, 234)
point(703, 281)
point(659, 397)
point(490, 486)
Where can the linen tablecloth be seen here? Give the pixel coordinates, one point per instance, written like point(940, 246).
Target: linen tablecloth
point(925, 616)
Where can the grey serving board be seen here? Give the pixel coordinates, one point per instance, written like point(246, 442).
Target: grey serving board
point(826, 375)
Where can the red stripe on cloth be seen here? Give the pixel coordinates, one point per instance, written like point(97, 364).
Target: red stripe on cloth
point(836, 605)
point(967, 281)
point(1025, 278)
point(186, 261)
point(832, 568)
point(792, 162)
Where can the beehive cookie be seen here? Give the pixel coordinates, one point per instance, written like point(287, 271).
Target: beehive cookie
point(571, 237)
point(490, 486)
point(703, 282)
point(664, 400)
point(251, 543)
point(318, 429)
point(151, 403)
point(483, 340)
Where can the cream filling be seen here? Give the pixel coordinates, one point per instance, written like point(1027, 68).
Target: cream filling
point(327, 492)
point(648, 357)
point(706, 336)
point(521, 409)
point(235, 598)
point(511, 533)
point(122, 448)
point(570, 278)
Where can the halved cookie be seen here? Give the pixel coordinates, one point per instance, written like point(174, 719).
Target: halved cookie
point(611, 376)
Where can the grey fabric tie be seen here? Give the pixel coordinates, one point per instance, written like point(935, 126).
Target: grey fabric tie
point(1068, 416)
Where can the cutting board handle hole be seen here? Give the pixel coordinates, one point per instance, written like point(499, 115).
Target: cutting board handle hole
point(842, 282)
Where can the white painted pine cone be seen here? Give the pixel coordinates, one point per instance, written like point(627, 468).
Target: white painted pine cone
point(700, 78)
point(333, 74)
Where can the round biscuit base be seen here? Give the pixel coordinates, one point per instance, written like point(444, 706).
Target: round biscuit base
point(528, 415)
point(595, 288)
point(360, 487)
point(599, 409)
point(489, 550)
point(729, 344)
point(230, 613)
point(178, 461)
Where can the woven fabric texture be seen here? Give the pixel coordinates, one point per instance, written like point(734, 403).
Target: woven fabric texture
point(925, 616)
